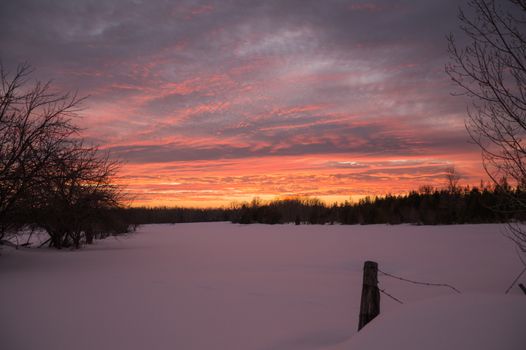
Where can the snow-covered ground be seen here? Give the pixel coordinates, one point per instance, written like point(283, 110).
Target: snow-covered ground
point(224, 286)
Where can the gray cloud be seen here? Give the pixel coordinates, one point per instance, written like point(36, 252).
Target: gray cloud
point(375, 69)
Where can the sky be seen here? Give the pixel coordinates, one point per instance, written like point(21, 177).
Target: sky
point(213, 102)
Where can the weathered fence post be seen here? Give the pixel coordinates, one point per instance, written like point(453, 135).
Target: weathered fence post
point(370, 304)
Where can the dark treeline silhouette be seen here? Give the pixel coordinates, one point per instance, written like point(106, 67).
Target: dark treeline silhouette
point(427, 206)
point(166, 215)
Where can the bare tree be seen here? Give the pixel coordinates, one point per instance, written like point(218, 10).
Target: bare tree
point(491, 70)
point(49, 177)
point(73, 203)
point(452, 179)
point(34, 123)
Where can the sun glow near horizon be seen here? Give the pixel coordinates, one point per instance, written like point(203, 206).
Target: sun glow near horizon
point(219, 183)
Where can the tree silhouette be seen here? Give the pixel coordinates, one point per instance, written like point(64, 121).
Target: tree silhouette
point(48, 177)
point(34, 124)
point(491, 70)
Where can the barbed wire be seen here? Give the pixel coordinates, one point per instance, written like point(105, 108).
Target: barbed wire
point(420, 283)
point(519, 255)
point(519, 275)
point(390, 296)
point(515, 280)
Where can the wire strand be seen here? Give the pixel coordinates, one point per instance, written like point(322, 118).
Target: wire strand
point(390, 296)
point(420, 283)
point(515, 280)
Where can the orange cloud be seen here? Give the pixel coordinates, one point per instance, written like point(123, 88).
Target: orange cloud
point(329, 177)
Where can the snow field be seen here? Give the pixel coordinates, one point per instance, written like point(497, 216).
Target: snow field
point(284, 287)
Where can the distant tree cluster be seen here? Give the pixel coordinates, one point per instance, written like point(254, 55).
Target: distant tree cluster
point(427, 206)
point(300, 210)
point(49, 178)
point(165, 215)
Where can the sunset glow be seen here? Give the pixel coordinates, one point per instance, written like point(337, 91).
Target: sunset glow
point(209, 103)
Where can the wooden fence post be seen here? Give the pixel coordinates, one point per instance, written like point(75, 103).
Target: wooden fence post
point(370, 304)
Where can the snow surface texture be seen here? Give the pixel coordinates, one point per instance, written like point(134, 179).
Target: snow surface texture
point(224, 286)
point(456, 322)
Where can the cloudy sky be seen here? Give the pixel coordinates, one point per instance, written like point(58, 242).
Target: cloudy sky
point(212, 102)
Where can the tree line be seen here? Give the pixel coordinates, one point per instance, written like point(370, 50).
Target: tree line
point(426, 206)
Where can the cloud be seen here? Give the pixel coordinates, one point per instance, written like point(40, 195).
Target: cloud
point(179, 83)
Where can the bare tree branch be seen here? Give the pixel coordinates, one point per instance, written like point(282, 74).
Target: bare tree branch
point(48, 176)
point(491, 71)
